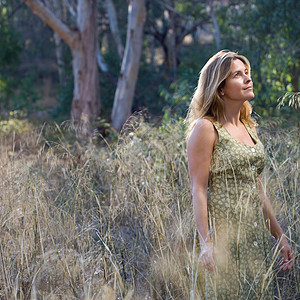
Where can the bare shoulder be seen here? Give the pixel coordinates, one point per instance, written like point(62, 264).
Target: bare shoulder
point(203, 134)
point(200, 147)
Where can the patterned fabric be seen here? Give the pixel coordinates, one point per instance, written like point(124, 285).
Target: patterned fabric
point(242, 256)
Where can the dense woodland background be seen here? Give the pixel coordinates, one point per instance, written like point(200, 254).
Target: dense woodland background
point(96, 212)
point(37, 81)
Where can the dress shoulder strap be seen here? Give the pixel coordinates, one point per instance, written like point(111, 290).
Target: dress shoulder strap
point(250, 129)
point(220, 130)
point(216, 124)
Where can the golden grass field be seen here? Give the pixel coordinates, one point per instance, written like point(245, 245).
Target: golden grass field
point(112, 218)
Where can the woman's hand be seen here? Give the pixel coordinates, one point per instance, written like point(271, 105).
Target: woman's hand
point(206, 256)
point(288, 256)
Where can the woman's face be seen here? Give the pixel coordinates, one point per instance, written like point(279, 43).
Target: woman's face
point(238, 86)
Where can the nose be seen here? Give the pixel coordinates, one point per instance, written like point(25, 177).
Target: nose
point(247, 78)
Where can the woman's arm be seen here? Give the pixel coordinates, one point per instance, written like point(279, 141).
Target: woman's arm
point(199, 150)
point(275, 229)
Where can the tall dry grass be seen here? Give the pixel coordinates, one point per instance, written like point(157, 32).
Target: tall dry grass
point(113, 220)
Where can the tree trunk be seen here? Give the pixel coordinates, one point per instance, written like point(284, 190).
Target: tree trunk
point(83, 44)
point(151, 42)
point(113, 23)
point(171, 58)
point(86, 99)
point(130, 64)
point(295, 70)
point(59, 47)
point(59, 58)
point(173, 28)
point(101, 63)
point(215, 22)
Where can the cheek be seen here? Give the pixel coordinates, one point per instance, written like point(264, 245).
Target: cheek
point(236, 85)
point(232, 87)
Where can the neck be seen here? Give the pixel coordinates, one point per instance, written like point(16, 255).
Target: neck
point(232, 112)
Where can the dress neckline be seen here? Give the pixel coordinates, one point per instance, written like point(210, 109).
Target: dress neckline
point(254, 139)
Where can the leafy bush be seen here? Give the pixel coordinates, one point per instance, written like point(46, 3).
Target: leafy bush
point(14, 126)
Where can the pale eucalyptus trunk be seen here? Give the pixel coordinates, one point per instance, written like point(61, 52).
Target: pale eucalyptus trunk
point(83, 44)
point(130, 64)
point(86, 97)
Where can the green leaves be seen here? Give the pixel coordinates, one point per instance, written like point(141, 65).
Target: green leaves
point(268, 33)
point(9, 40)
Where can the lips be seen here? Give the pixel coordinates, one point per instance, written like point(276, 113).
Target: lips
point(248, 87)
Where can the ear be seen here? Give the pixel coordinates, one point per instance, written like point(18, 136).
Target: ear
point(221, 92)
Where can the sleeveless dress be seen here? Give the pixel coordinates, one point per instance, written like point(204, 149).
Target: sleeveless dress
point(240, 237)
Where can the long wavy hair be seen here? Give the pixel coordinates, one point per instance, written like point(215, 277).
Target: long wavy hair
point(207, 101)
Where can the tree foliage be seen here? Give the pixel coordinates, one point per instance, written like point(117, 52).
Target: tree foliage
point(268, 33)
point(180, 36)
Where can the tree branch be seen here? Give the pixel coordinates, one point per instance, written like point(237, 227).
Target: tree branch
point(65, 32)
point(160, 36)
point(15, 10)
point(187, 31)
point(71, 8)
point(113, 22)
point(174, 10)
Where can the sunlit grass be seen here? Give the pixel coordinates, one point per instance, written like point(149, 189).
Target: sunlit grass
point(101, 220)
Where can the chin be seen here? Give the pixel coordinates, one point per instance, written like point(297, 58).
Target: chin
point(251, 96)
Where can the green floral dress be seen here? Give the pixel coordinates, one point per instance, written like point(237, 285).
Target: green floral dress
point(240, 238)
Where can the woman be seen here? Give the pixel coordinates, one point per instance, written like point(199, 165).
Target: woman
point(226, 158)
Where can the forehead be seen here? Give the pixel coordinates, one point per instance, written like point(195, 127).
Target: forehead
point(237, 64)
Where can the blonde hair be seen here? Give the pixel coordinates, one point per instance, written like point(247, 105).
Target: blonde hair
point(206, 101)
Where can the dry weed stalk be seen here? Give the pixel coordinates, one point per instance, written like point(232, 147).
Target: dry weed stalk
point(83, 221)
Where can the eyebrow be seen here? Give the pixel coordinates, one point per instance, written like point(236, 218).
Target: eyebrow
point(239, 71)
